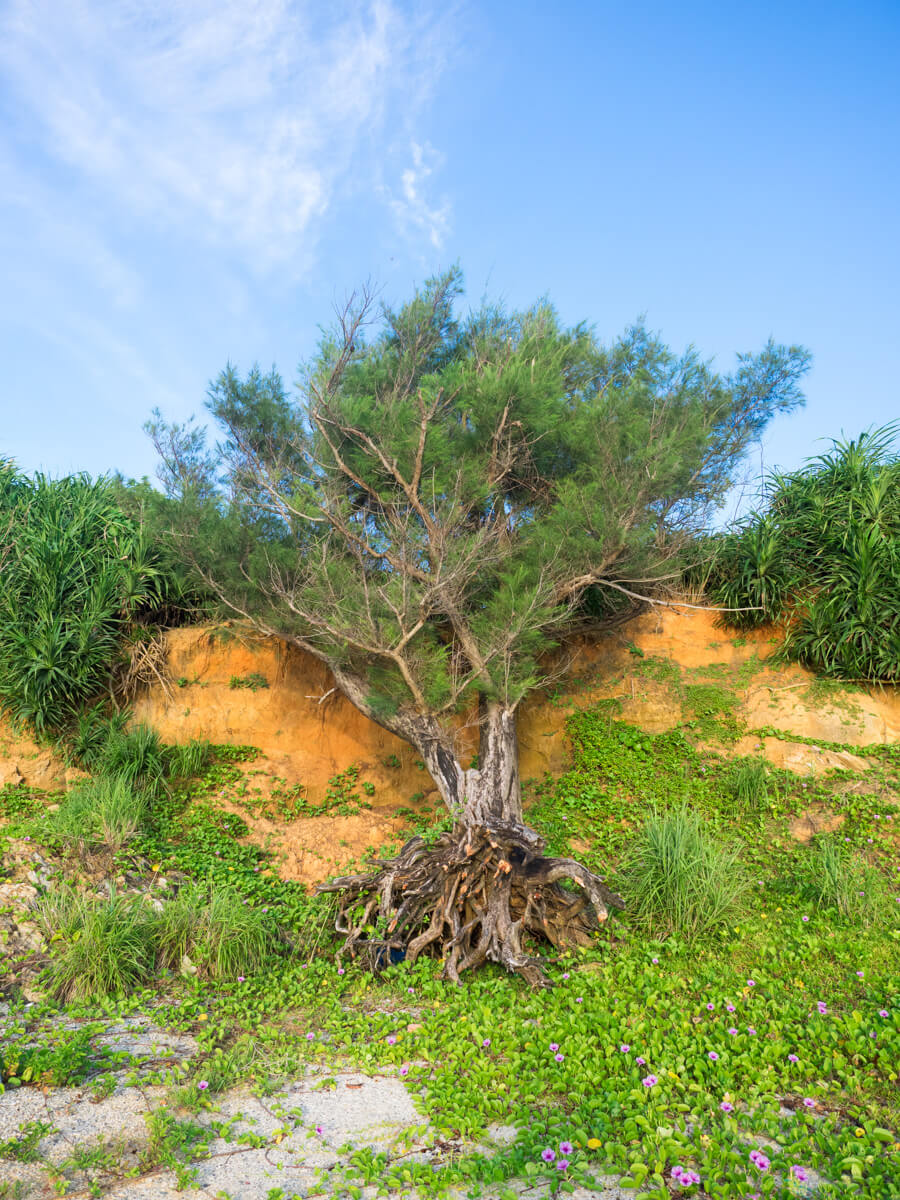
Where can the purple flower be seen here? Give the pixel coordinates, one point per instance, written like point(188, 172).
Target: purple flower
point(565, 975)
point(310, 1037)
point(624, 1047)
point(713, 1056)
point(804, 918)
point(650, 1081)
point(559, 1057)
point(391, 1041)
point(793, 1058)
point(808, 1102)
point(554, 1046)
point(860, 974)
point(319, 1130)
point(822, 1006)
point(690, 1177)
point(733, 1031)
point(548, 1155)
point(242, 979)
point(566, 1148)
point(404, 1070)
point(340, 970)
point(726, 1107)
point(799, 1173)
point(641, 1062)
point(410, 992)
point(751, 1031)
point(485, 1043)
point(730, 1007)
point(579, 1000)
point(882, 1012)
point(710, 1006)
point(751, 983)
point(562, 1165)
point(654, 960)
point(759, 1160)
point(202, 1085)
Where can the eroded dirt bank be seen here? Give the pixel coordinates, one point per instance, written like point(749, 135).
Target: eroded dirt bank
point(667, 667)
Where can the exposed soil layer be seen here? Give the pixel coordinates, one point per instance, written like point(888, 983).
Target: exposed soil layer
point(232, 686)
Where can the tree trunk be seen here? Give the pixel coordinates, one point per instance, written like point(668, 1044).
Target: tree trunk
point(489, 791)
point(479, 892)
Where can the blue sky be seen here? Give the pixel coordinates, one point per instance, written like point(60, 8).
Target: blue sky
point(188, 182)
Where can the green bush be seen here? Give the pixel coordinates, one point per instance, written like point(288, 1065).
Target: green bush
point(222, 935)
point(837, 879)
point(105, 810)
point(105, 948)
point(824, 557)
point(76, 574)
point(677, 879)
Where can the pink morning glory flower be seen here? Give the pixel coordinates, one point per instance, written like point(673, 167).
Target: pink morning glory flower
point(799, 1173)
point(624, 1048)
point(793, 1058)
point(404, 1070)
point(548, 1155)
point(640, 1061)
point(202, 1085)
point(650, 1081)
point(726, 1107)
point(562, 1165)
point(554, 1046)
point(808, 1102)
point(566, 1147)
point(713, 1056)
point(559, 1057)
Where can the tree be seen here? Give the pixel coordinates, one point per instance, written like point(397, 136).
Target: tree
point(442, 504)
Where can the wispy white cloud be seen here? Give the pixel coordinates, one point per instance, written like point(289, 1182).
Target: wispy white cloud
point(412, 208)
point(232, 120)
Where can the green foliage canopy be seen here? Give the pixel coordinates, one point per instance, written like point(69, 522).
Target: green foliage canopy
point(448, 496)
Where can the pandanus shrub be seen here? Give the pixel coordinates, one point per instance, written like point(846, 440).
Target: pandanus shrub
point(76, 575)
point(823, 556)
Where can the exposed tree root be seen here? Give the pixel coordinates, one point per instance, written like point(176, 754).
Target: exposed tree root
point(473, 897)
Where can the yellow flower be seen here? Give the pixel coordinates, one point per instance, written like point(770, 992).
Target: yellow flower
point(202, 1016)
point(860, 1132)
point(594, 1143)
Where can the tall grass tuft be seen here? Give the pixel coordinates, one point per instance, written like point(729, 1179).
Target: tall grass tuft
point(188, 759)
point(677, 879)
point(104, 810)
point(136, 755)
point(107, 947)
point(749, 784)
point(221, 935)
point(834, 878)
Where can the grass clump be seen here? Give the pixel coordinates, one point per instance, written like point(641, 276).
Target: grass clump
point(749, 784)
point(107, 946)
point(107, 810)
point(219, 933)
point(836, 879)
point(677, 879)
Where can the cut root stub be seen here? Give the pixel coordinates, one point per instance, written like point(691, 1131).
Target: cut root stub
point(472, 897)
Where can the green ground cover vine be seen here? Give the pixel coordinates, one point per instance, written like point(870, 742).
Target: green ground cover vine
point(653, 1058)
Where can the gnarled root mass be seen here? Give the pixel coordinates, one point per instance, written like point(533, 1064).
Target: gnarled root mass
point(474, 896)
